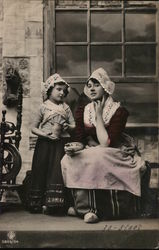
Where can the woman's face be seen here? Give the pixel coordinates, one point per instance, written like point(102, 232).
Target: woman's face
point(58, 93)
point(95, 90)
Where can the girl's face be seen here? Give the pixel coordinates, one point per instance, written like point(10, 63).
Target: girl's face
point(58, 93)
point(95, 90)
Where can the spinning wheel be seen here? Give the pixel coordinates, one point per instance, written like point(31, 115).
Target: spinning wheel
point(10, 159)
point(11, 163)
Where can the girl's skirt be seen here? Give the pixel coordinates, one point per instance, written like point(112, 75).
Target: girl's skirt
point(47, 187)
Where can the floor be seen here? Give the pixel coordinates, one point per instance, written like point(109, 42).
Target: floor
point(19, 228)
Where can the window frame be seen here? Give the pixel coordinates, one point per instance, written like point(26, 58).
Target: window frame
point(50, 40)
point(49, 61)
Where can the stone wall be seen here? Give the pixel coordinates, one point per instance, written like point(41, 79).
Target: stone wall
point(21, 45)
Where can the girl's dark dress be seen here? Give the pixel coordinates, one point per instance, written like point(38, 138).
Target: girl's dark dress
point(47, 187)
point(47, 184)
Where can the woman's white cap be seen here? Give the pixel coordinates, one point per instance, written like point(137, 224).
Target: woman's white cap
point(102, 77)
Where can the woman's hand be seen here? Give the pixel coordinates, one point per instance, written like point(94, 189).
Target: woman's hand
point(72, 147)
point(98, 106)
point(101, 131)
point(69, 152)
point(91, 142)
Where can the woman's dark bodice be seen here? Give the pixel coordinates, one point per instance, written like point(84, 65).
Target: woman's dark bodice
point(115, 127)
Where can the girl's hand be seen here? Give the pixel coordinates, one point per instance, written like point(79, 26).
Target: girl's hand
point(68, 127)
point(47, 135)
point(65, 126)
point(52, 137)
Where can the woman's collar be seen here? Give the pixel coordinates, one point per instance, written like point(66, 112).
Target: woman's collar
point(109, 109)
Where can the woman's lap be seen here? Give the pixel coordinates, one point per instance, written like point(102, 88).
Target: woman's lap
point(102, 168)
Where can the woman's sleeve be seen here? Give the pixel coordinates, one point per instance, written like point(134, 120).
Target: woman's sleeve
point(117, 125)
point(79, 130)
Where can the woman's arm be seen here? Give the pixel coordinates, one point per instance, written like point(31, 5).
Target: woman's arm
point(102, 134)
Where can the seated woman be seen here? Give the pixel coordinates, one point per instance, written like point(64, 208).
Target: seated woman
point(102, 168)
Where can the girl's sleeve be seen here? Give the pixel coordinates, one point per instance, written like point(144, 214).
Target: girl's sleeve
point(38, 117)
point(117, 125)
point(70, 116)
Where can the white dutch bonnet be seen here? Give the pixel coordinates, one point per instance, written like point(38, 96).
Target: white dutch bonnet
point(102, 77)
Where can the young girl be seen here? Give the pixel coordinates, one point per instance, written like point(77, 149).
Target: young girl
point(52, 126)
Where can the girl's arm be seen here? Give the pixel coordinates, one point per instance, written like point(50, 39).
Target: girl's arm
point(35, 130)
point(38, 132)
point(102, 134)
point(36, 124)
point(38, 119)
point(70, 125)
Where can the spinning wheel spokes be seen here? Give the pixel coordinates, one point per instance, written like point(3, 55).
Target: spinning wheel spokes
point(11, 162)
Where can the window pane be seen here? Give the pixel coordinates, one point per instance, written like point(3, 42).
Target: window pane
point(71, 27)
point(105, 27)
point(71, 60)
point(99, 3)
point(108, 57)
point(143, 28)
point(140, 60)
point(137, 111)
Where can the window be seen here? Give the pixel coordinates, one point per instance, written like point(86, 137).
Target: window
point(118, 35)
